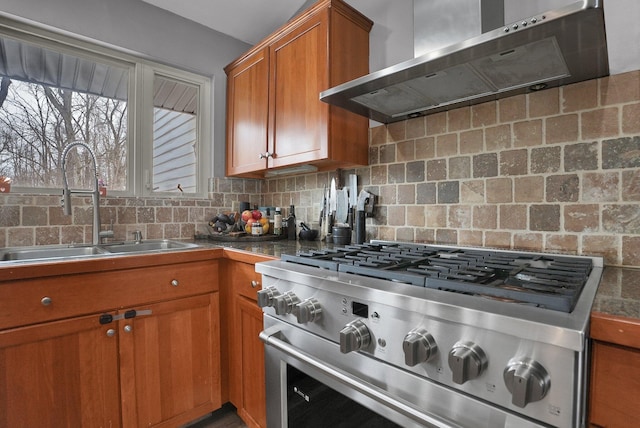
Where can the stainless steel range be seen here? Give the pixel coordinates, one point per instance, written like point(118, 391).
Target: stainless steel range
point(394, 334)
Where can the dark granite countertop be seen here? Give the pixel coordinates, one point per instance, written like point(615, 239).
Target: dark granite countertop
point(619, 293)
point(274, 248)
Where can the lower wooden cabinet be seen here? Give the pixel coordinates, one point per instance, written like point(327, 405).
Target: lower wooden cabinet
point(249, 325)
point(615, 386)
point(246, 351)
point(170, 372)
point(615, 372)
point(60, 374)
point(149, 358)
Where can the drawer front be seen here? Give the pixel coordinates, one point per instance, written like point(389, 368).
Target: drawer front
point(245, 280)
point(37, 300)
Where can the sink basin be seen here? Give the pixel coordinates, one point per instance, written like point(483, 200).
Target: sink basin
point(57, 252)
point(45, 252)
point(148, 246)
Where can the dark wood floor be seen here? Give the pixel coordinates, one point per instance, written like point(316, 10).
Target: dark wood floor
point(226, 417)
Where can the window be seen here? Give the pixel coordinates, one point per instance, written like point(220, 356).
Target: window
point(175, 135)
point(142, 120)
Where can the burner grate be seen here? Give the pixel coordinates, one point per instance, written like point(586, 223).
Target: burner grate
point(549, 281)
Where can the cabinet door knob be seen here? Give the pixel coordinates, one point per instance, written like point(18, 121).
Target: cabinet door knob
point(127, 328)
point(265, 155)
point(175, 282)
point(111, 332)
point(46, 301)
point(255, 283)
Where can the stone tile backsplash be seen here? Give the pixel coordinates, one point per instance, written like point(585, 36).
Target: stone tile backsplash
point(556, 170)
point(38, 220)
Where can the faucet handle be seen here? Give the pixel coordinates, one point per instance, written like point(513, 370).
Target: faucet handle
point(137, 236)
point(65, 202)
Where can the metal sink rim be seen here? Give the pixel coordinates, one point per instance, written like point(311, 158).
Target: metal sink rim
point(44, 253)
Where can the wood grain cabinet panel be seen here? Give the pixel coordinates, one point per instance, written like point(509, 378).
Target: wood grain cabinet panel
point(60, 374)
point(249, 319)
point(170, 363)
point(246, 351)
point(615, 372)
point(615, 377)
point(248, 114)
point(324, 46)
point(78, 361)
point(21, 302)
point(298, 71)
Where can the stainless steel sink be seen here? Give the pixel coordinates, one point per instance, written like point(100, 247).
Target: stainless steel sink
point(148, 246)
point(46, 252)
point(57, 252)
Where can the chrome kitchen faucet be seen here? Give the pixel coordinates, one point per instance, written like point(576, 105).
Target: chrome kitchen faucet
point(95, 192)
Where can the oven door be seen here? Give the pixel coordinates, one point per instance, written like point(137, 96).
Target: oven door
point(310, 383)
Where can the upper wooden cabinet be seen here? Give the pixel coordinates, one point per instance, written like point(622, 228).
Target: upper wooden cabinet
point(275, 118)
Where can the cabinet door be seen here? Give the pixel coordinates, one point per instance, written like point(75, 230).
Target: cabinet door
point(246, 351)
point(615, 385)
point(60, 374)
point(299, 71)
point(249, 322)
point(247, 114)
point(169, 362)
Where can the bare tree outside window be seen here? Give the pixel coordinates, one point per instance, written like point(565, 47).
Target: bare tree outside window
point(37, 122)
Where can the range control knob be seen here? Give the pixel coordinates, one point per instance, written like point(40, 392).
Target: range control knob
point(467, 361)
point(354, 337)
point(308, 310)
point(267, 296)
point(285, 303)
point(419, 346)
point(526, 380)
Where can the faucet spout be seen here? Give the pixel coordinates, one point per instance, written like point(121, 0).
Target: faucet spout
point(95, 192)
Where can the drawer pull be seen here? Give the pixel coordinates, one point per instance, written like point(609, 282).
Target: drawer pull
point(111, 332)
point(46, 301)
point(132, 313)
point(175, 282)
point(255, 283)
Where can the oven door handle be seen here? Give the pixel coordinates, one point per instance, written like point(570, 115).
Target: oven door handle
point(272, 337)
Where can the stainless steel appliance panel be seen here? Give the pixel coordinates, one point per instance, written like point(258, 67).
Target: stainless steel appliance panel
point(400, 396)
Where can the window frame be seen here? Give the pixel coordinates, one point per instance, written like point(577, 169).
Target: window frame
point(140, 106)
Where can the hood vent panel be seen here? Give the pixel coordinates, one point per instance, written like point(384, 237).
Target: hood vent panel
point(554, 48)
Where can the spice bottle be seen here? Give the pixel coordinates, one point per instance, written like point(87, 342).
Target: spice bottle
point(277, 222)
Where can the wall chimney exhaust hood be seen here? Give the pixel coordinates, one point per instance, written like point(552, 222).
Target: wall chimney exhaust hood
point(553, 48)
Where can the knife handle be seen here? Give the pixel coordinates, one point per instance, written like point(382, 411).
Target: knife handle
point(361, 232)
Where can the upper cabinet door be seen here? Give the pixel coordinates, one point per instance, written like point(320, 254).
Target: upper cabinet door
point(284, 119)
point(298, 73)
point(247, 114)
